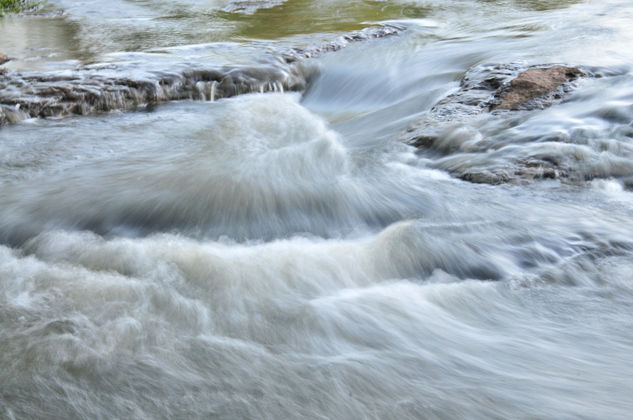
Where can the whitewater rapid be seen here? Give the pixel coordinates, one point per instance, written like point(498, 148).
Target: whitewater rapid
point(289, 254)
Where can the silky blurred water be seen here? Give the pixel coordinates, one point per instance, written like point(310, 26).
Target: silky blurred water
point(286, 255)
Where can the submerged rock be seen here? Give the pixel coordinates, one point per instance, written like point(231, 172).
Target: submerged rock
point(249, 7)
point(342, 41)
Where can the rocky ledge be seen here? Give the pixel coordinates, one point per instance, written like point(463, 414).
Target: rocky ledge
point(88, 91)
point(251, 6)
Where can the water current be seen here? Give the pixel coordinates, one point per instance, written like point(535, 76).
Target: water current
point(213, 210)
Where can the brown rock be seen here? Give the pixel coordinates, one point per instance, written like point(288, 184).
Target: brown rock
point(3, 59)
point(461, 136)
point(536, 83)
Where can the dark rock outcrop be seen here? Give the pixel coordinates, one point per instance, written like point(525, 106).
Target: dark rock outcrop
point(87, 92)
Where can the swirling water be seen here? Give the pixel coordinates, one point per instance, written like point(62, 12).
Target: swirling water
point(286, 255)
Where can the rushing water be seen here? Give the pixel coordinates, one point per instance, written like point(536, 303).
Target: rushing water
point(286, 255)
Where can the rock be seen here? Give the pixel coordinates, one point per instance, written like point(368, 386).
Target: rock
point(476, 95)
point(536, 83)
point(250, 7)
point(487, 91)
point(372, 32)
point(3, 59)
point(88, 90)
point(463, 133)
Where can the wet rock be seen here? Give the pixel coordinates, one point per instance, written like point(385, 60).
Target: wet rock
point(11, 115)
point(537, 83)
point(539, 169)
point(518, 172)
point(3, 59)
point(342, 41)
point(477, 93)
point(460, 133)
point(249, 7)
point(489, 88)
point(88, 90)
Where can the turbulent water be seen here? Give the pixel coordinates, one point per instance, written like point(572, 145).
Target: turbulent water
point(289, 254)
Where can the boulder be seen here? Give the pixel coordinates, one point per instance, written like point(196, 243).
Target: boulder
point(461, 133)
point(536, 83)
point(491, 92)
point(3, 59)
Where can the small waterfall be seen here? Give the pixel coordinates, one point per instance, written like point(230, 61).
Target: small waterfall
point(87, 91)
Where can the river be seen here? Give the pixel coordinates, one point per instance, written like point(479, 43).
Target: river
point(274, 248)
